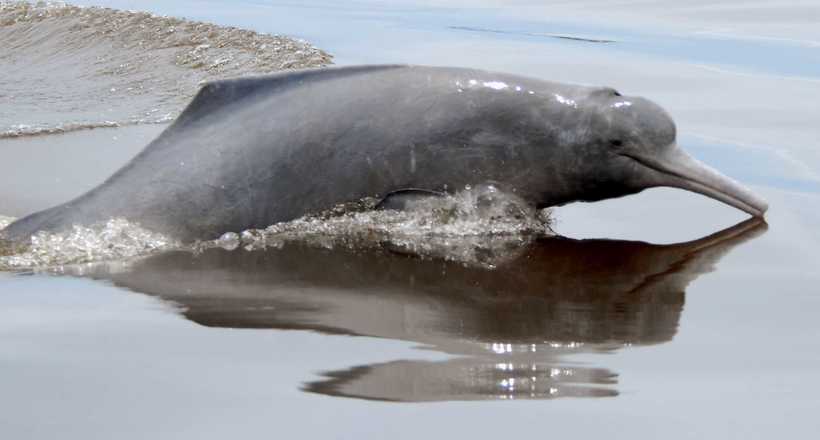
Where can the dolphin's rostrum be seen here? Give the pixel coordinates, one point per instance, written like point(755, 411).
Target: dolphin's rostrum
point(250, 152)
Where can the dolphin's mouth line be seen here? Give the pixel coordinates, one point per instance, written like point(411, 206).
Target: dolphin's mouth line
point(732, 200)
point(680, 170)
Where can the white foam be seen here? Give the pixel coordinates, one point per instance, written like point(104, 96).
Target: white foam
point(116, 239)
point(5, 221)
point(477, 226)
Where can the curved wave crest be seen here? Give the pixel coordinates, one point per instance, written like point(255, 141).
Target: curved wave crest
point(68, 68)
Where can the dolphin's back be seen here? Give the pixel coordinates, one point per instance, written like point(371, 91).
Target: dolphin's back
point(216, 95)
point(246, 153)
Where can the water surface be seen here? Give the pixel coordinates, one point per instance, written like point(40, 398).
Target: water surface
point(710, 331)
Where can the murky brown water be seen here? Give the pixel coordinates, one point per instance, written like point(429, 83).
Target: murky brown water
point(712, 333)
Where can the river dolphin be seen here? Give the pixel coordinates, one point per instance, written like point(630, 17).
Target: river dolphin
point(250, 152)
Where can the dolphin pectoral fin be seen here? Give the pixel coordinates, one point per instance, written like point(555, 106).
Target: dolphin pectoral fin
point(403, 199)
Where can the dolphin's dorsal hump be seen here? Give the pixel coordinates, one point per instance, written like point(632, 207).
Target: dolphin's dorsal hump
point(219, 94)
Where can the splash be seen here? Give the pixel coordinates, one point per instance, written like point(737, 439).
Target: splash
point(123, 67)
point(479, 226)
point(116, 239)
point(5, 221)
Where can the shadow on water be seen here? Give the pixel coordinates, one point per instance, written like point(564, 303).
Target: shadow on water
point(508, 329)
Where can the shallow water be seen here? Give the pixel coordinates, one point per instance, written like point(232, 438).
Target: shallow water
point(68, 68)
point(715, 337)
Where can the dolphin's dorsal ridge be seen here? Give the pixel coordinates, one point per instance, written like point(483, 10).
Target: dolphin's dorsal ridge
point(219, 94)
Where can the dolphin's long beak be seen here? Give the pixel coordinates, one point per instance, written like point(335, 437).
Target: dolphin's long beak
point(680, 170)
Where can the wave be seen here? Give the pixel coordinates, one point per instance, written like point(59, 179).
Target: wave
point(532, 34)
point(68, 68)
point(479, 226)
point(5, 221)
point(23, 130)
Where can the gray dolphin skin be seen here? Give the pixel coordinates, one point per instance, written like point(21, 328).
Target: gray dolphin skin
point(250, 152)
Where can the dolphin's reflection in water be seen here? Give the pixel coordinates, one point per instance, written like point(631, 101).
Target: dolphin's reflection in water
point(509, 328)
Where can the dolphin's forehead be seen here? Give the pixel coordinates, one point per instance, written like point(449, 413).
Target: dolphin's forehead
point(653, 120)
point(637, 116)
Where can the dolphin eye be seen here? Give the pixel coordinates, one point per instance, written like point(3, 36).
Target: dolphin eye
point(616, 93)
point(616, 142)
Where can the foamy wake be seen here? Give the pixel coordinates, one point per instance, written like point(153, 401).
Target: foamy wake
point(68, 68)
point(5, 221)
point(478, 226)
point(116, 239)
